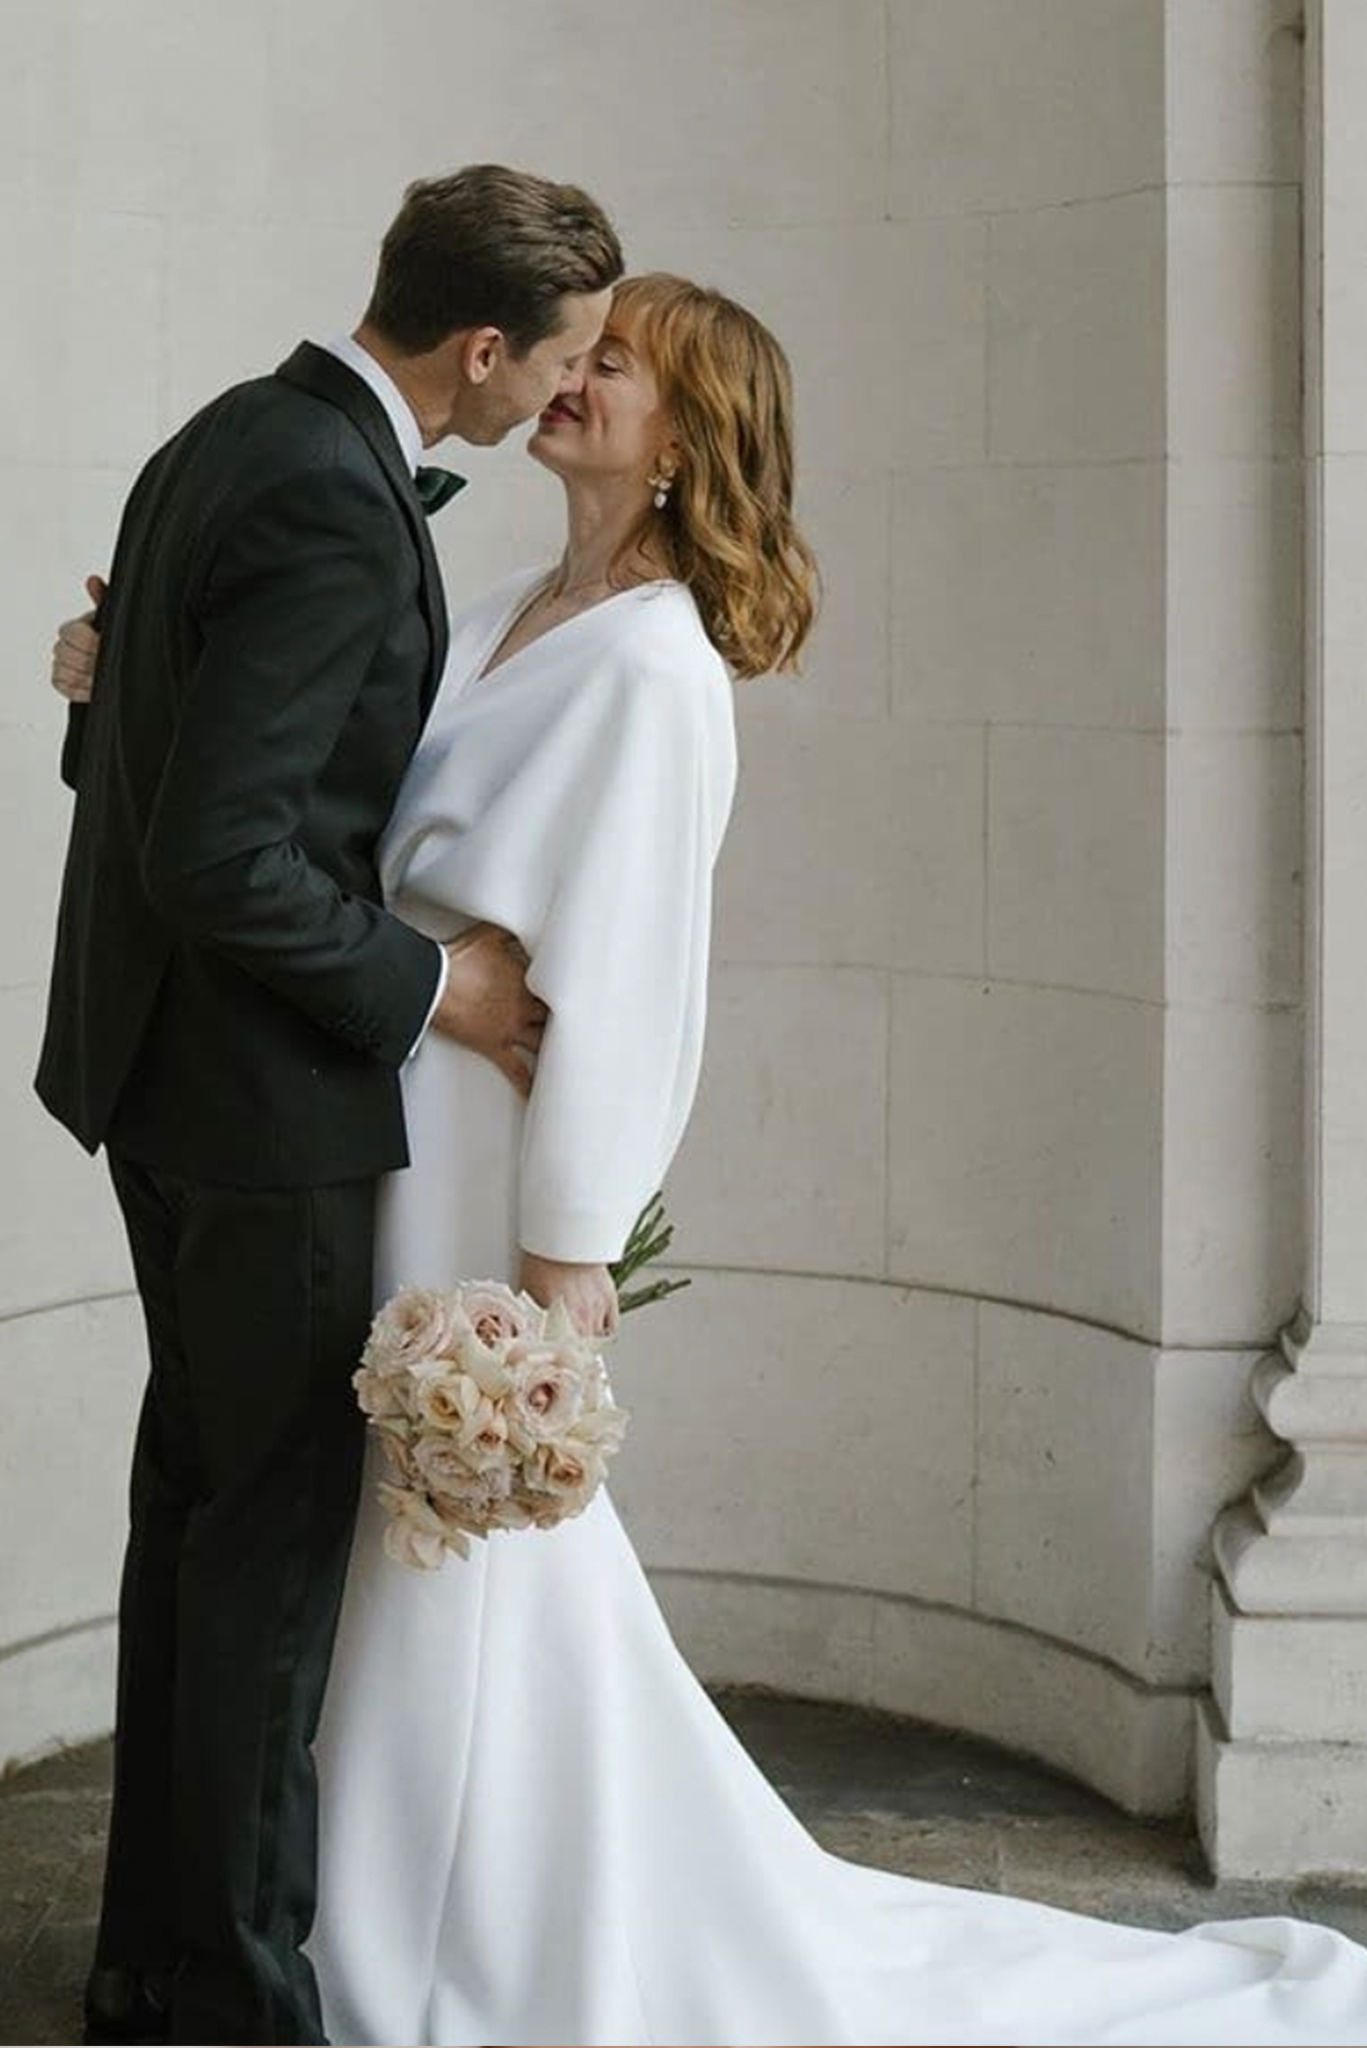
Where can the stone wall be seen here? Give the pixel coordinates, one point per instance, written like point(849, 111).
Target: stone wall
point(992, 1194)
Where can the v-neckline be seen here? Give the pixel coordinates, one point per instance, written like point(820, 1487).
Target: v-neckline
point(508, 614)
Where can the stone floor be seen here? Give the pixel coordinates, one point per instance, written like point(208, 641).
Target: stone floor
point(873, 1788)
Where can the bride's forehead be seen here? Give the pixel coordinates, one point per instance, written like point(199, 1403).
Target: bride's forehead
point(630, 334)
point(624, 332)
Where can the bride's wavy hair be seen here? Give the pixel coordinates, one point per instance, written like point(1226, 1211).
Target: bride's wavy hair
point(727, 529)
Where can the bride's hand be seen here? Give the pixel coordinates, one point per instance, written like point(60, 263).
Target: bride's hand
point(75, 648)
point(587, 1292)
point(487, 1005)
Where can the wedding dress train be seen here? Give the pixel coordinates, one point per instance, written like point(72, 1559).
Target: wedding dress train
point(535, 1827)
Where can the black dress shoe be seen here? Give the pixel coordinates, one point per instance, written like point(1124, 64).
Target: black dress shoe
point(128, 2006)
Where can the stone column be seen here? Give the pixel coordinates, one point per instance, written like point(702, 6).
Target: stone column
point(1282, 1745)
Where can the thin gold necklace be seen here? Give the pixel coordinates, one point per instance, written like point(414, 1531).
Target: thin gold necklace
point(572, 589)
point(603, 582)
point(546, 595)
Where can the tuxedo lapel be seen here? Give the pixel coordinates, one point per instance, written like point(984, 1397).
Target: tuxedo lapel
point(314, 370)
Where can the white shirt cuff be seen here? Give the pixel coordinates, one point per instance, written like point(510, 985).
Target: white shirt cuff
point(435, 1005)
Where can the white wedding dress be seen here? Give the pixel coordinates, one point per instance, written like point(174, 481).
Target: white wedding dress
point(535, 1827)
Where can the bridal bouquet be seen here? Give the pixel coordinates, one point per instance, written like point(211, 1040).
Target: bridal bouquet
point(494, 1413)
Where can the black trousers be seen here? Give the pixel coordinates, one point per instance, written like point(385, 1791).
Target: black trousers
point(244, 1488)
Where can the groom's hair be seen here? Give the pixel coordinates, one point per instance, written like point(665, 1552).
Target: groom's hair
point(489, 247)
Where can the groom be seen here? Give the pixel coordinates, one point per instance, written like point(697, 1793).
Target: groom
point(229, 1011)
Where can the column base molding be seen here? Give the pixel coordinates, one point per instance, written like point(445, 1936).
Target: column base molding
point(1274, 1572)
point(1281, 1746)
point(1298, 1544)
point(1260, 1665)
point(1279, 1809)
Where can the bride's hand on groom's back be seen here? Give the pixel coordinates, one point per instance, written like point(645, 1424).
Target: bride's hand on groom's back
point(487, 1005)
point(587, 1292)
point(75, 648)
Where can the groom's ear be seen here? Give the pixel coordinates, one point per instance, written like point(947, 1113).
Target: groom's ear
point(481, 350)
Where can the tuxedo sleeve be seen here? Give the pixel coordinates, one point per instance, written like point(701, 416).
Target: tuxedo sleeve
point(291, 609)
point(622, 961)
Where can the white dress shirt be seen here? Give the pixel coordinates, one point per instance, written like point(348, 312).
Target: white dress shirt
point(408, 434)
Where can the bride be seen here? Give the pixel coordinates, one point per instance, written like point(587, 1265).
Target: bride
point(534, 1826)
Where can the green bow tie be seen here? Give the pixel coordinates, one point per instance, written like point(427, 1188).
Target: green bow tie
point(435, 486)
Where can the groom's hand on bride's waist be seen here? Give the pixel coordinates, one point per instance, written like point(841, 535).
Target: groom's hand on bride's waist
point(487, 1005)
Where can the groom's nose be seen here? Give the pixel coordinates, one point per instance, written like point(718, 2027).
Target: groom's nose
point(572, 378)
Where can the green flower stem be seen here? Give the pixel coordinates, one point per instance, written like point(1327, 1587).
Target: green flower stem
point(641, 1297)
point(651, 1236)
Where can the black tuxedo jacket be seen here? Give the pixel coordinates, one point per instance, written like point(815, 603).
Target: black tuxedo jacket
point(229, 1001)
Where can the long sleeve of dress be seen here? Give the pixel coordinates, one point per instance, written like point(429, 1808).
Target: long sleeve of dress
point(621, 959)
